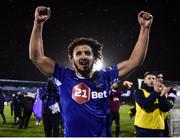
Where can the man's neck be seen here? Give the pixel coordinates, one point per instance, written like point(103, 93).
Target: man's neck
point(81, 76)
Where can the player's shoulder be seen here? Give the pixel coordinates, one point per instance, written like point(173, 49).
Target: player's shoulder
point(110, 68)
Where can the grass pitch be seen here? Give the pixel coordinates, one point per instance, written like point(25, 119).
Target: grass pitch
point(8, 130)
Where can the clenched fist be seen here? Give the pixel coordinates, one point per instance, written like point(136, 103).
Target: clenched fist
point(42, 14)
point(145, 19)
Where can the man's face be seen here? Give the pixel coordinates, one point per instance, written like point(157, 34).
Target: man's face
point(150, 80)
point(83, 59)
point(160, 78)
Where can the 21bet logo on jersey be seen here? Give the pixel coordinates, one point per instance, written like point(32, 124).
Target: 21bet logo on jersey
point(81, 93)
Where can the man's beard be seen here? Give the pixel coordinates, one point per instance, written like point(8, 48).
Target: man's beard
point(85, 72)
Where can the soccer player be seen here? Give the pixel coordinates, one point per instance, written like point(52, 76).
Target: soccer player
point(118, 90)
point(84, 93)
point(150, 103)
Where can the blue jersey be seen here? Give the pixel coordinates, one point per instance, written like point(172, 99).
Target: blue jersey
point(84, 102)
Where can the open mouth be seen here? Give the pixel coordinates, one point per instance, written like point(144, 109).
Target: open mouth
point(84, 62)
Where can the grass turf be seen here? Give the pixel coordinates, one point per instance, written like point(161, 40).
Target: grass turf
point(8, 130)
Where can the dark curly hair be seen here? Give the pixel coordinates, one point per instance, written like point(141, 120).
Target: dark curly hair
point(94, 44)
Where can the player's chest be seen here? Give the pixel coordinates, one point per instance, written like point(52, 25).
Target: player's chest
point(83, 91)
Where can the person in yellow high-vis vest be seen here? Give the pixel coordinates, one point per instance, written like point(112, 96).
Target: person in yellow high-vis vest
point(150, 102)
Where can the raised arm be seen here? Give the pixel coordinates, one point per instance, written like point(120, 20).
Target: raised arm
point(36, 50)
point(139, 52)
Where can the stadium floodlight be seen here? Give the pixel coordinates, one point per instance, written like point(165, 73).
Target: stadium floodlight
point(98, 65)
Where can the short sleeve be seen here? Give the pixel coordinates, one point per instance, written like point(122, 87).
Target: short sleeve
point(58, 71)
point(111, 74)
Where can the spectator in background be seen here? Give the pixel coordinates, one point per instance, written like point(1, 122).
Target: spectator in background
point(37, 107)
point(16, 107)
point(171, 97)
point(16, 103)
point(26, 105)
point(118, 90)
point(11, 103)
point(150, 103)
point(2, 100)
point(50, 109)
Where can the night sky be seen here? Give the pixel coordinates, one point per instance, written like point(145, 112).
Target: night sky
point(113, 23)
